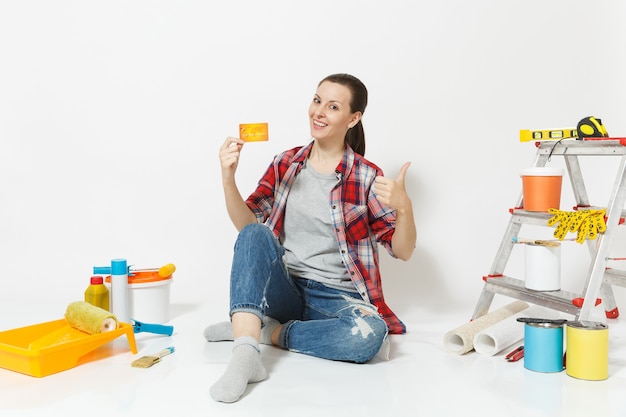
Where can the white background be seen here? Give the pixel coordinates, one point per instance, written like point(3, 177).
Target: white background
point(112, 113)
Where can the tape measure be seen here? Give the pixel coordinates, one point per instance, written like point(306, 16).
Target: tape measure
point(591, 127)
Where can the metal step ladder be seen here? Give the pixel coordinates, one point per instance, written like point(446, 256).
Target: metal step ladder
point(599, 281)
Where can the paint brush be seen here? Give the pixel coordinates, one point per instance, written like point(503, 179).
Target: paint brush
point(148, 361)
point(540, 242)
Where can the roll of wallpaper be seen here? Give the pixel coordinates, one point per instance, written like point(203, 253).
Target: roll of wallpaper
point(89, 318)
point(461, 339)
point(505, 333)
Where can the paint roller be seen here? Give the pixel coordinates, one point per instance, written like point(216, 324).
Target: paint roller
point(89, 318)
point(164, 271)
point(82, 318)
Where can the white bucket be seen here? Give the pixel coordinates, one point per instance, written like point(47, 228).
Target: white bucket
point(542, 267)
point(148, 297)
point(150, 302)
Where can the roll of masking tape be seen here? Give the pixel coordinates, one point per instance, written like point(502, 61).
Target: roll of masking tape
point(587, 354)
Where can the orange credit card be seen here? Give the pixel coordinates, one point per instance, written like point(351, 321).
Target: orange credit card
point(253, 132)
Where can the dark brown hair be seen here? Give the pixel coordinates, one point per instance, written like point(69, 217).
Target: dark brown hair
point(355, 137)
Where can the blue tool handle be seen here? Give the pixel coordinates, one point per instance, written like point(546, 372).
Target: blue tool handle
point(140, 327)
point(102, 270)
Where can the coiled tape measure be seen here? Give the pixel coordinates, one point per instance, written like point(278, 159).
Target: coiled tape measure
point(591, 127)
point(588, 127)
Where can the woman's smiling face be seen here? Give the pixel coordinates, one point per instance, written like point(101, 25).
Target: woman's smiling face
point(330, 114)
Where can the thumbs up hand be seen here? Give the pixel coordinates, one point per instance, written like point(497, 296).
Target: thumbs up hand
point(392, 192)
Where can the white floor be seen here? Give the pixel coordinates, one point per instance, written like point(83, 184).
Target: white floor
point(421, 379)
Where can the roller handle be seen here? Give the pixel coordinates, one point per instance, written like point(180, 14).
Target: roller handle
point(139, 327)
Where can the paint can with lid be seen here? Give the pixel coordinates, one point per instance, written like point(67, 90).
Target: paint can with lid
point(148, 296)
point(542, 267)
point(541, 188)
point(587, 345)
point(543, 346)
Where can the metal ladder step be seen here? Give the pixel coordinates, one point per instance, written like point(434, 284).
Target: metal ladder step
point(512, 287)
point(539, 218)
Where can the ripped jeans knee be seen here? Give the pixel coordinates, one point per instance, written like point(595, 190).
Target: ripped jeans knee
point(355, 334)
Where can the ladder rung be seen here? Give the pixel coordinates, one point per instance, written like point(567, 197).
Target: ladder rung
point(512, 287)
point(615, 277)
point(521, 216)
point(540, 218)
point(609, 146)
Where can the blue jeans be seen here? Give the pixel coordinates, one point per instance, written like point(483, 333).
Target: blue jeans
point(317, 320)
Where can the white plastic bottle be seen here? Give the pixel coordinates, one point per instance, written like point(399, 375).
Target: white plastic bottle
point(119, 290)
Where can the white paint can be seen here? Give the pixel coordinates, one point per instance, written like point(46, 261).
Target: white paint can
point(542, 267)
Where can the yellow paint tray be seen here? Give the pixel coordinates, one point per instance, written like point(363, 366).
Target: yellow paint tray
point(47, 348)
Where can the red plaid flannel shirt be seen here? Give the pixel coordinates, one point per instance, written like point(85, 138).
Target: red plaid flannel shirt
point(360, 220)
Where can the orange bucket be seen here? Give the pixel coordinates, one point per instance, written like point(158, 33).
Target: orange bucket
point(541, 188)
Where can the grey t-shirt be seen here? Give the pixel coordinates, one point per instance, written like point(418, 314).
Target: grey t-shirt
point(308, 235)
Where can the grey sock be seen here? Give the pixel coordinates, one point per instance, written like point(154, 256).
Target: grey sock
point(219, 332)
point(224, 331)
point(245, 367)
